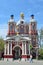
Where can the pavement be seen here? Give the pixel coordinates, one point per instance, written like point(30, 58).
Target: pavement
point(17, 62)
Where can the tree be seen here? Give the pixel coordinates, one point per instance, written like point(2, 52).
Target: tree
point(41, 33)
point(40, 53)
point(1, 46)
point(31, 46)
point(40, 36)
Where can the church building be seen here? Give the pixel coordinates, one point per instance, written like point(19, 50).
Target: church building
point(19, 37)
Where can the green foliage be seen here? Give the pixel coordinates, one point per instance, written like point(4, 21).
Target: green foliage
point(1, 44)
point(40, 54)
point(31, 46)
point(40, 36)
point(41, 33)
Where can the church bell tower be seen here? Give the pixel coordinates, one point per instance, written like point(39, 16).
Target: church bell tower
point(33, 33)
point(11, 26)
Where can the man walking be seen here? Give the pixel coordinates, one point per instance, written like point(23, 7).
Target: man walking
point(31, 60)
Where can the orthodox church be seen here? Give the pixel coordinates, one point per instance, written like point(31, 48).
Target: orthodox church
point(19, 37)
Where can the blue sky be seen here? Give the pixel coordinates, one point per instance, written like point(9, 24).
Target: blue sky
point(28, 7)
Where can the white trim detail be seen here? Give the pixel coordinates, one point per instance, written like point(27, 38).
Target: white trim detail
point(17, 46)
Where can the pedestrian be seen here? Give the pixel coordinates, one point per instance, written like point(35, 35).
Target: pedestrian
point(20, 57)
point(31, 60)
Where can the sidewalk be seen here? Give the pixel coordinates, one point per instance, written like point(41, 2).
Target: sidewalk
point(35, 62)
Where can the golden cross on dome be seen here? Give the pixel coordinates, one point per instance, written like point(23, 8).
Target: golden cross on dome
point(22, 15)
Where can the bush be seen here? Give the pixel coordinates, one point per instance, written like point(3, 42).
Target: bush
point(40, 54)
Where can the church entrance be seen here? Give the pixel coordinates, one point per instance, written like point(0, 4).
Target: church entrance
point(17, 52)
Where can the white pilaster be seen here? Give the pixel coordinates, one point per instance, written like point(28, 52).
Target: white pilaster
point(29, 49)
point(8, 49)
point(19, 52)
point(25, 47)
point(22, 48)
point(5, 49)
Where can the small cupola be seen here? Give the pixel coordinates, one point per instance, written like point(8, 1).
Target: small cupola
point(11, 18)
point(22, 15)
point(22, 18)
point(32, 18)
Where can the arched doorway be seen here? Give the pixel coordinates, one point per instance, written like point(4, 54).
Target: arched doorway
point(17, 52)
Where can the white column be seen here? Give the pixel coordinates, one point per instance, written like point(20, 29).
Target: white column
point(19, 52)
point(29, 49)
point(8, 49)
point(11, 48)
point(25, 47)
point(22, 49)
point(5, 49)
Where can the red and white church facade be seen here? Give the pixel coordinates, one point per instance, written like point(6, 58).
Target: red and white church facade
point(19, 37)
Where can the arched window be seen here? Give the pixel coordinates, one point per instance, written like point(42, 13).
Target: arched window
point(22, 29)
point(11, 27)
point(33, 26)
